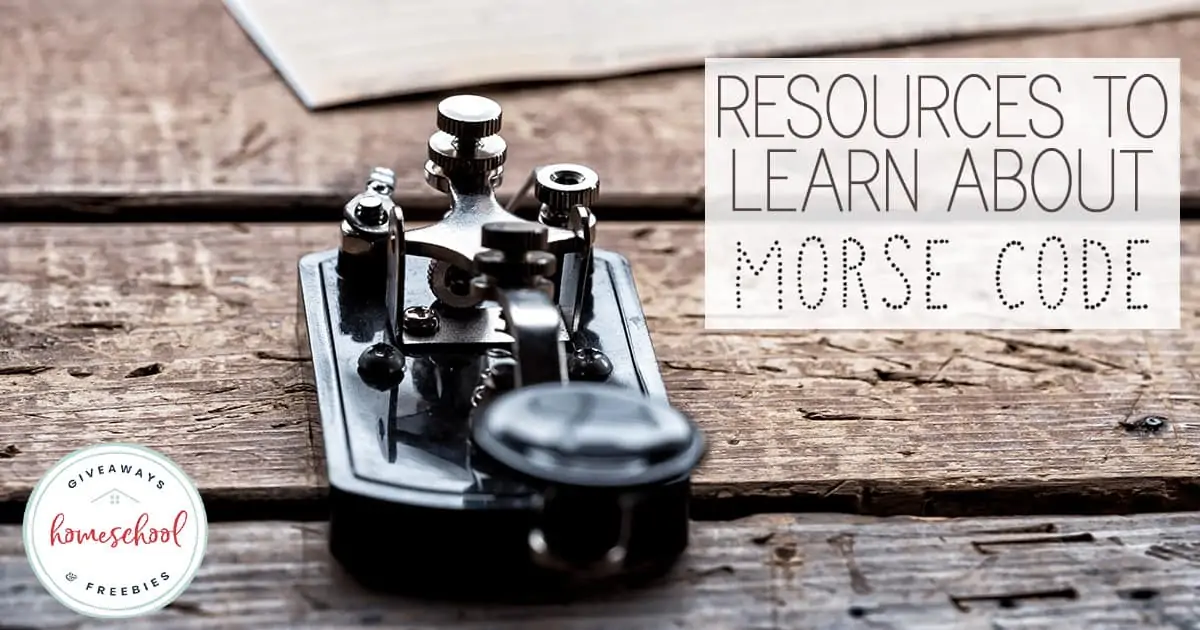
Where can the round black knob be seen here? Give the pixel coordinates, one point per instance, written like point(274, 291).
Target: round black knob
point(589, 435)
point(613, 469)
point(515, 237)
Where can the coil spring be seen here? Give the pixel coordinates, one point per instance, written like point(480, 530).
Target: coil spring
point(494, 378)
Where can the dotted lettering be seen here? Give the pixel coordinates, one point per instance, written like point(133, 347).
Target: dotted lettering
point(744, 259)
point(887, 253)
point(824, 272)
point(1041, 285)
point(1000, 263)
point(1130, 274)
point(1108, 271)
point(930, 274)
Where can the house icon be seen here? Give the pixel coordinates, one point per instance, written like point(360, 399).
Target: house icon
point(115, 497)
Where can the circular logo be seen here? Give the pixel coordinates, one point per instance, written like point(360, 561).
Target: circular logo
point(115, 530)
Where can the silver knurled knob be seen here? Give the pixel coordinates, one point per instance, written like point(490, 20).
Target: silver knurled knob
point(564, 186)
point(467, 116)
point(455, 155)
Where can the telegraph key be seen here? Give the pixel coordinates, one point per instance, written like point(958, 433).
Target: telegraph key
point(492, 410)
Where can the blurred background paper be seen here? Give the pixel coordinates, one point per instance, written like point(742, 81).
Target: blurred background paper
point(340, 52)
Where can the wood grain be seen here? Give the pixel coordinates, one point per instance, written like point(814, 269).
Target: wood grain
point(181, 337)
point(169, 105)
point(808, 572)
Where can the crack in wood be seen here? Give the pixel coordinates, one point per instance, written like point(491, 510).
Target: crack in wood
point(844, 544)
point(1041, 528)
point(1012, 600)
point(145, 370)
point(1168, 551)
point(985, 546)
point(24, 370)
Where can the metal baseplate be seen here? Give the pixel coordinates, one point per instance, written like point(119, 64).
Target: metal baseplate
point(492, 410)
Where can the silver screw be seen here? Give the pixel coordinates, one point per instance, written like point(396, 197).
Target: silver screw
point(382, 181)
point(420, 321)
point(369, 211)
point(365, 224)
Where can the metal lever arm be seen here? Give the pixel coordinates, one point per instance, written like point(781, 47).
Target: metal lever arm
point(514, 267)
point(533, 321)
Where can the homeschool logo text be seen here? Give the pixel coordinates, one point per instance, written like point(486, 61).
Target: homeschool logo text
point(115, 531)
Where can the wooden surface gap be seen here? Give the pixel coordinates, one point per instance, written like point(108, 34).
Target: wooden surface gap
point(295, 208)
point(236, 506)
point(266, 208)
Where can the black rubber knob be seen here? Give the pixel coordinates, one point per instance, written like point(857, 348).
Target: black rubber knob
point(515, 237)
point(614, 469)
point(589, 435)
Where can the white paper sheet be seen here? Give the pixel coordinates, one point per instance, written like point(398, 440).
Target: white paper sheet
point(338, 52)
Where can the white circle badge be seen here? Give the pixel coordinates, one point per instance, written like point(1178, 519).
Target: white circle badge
point(115, 530)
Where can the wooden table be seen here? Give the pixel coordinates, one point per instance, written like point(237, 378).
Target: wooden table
point(855, 480)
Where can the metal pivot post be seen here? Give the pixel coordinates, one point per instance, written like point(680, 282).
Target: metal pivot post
point(514, 272)
point(567, 192)
point(365, 227)
point(466, 159)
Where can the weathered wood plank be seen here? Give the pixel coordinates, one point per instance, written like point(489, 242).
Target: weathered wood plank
point(820, 572)
point(181, 337)
point(169, 103)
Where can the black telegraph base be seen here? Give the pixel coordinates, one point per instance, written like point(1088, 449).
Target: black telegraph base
point(481, 556)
